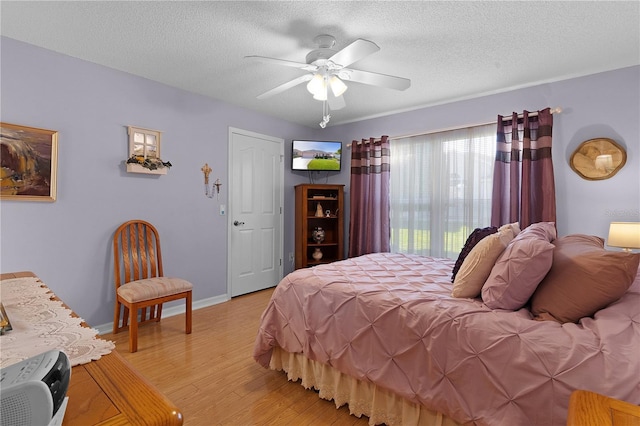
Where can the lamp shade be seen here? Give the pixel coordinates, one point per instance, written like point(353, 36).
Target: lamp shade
point(316, 85)
point(624, 234)
point(337, 86)
point(321, 95)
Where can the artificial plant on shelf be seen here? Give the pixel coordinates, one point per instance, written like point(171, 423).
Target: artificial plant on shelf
point(148, 163)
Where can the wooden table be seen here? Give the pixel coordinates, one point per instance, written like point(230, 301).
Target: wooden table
point(592, 409)
point(110, 391)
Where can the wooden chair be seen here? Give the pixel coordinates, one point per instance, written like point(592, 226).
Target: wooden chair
point(140, 282)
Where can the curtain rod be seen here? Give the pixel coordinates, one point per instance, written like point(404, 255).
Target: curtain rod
point(367, 141)
point(556, 110)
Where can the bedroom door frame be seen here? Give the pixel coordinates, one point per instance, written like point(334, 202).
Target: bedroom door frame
point(251, 154)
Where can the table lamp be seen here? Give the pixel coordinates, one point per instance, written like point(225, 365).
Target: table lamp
point(625, 235)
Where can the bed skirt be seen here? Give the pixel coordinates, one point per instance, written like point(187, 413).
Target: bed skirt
point(379, 405)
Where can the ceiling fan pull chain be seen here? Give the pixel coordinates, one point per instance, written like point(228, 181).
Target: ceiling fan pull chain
point(325, 115)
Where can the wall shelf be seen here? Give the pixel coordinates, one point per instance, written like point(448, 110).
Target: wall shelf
point(137, 168)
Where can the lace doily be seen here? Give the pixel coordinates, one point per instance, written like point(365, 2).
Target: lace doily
point(40, 324)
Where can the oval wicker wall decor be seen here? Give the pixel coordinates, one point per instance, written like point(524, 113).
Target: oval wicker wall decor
point(597, 159)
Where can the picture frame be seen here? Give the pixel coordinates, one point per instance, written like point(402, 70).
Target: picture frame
point(28, 163)
point(597, 159)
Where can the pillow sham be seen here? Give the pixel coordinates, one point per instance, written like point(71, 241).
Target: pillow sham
point(517, 273)
point(515, 227)
point(544, 231)
point(520, 268)
point(473, 239)
point(476, 267)
point(583, 279)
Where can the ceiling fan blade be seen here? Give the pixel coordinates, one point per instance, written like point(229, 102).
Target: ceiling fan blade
point(354, 52)
point(335, 102)
point(285, 86)
point(375, 79)
point(300, 65)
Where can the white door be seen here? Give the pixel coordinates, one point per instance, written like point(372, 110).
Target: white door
point(255, 244)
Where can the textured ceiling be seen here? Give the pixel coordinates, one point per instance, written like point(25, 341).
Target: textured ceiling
point(450, 50)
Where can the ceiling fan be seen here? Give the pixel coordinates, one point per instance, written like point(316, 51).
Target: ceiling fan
point(327, 72)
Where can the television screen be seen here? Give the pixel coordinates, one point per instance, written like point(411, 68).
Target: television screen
point(316, 156)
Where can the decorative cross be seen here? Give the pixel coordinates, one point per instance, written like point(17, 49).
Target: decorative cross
point(206, 170)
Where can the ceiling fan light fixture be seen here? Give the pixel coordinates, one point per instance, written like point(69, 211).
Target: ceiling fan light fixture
point(337, 86)
point(327, 69)
point(316, 84)
point(321, 95)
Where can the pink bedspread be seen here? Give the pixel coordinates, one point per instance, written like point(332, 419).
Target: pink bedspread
point(389, 319)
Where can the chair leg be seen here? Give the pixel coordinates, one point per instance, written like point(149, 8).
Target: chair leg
point(116, 316)
point(133, 330)
point(158, 312)
point(188, 314)
point(125, 316)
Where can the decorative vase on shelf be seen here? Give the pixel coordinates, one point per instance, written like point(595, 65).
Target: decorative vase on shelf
point(317, 254)
point(318, 234)
point(319, 212)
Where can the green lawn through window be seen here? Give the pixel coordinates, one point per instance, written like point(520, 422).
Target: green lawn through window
point(422, 240)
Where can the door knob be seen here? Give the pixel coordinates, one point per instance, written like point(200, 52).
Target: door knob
point(236, 223)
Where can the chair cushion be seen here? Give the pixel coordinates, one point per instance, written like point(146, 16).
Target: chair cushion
point(152, 288)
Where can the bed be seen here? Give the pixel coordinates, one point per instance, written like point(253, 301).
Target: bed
point(384, 334)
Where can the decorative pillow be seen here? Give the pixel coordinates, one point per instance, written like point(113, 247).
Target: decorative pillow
point(476, 267)
point(517, 272)
point(583, 279)
point(515, 227)
point(544, 231)
point(473, 239)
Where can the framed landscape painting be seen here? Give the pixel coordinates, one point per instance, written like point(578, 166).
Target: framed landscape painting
point(28, 163)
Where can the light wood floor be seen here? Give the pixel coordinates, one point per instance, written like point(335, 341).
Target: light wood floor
point(211, 375)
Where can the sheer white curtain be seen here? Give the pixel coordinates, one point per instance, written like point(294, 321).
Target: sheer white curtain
point(440, 189)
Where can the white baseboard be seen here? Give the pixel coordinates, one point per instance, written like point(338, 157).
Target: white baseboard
point(173, 310)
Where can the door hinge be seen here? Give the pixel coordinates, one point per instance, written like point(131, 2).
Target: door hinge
point(280, 262)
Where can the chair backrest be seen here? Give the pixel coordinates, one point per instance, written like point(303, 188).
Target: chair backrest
point(136, 252)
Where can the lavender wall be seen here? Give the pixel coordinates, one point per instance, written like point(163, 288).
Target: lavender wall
point(599, 105)
point(68, 243)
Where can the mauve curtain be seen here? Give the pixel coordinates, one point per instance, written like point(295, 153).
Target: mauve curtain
point(523, 182)
point(369, 228)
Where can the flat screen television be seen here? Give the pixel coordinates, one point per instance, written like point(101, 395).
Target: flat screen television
point(316, 156)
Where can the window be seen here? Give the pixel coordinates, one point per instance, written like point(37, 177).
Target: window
point(440, 189)
point(144, 143)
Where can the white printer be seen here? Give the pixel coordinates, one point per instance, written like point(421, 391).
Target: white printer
point(32, 391)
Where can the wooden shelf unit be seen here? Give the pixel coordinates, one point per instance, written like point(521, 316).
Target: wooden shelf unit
point(330, 197)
